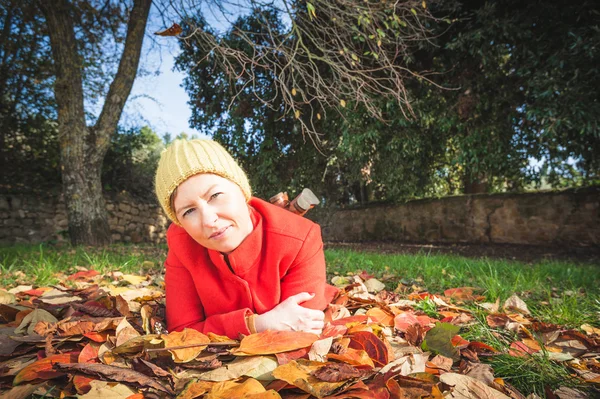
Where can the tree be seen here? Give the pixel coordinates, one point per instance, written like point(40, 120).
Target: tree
point(27, 110)
point(83, 147)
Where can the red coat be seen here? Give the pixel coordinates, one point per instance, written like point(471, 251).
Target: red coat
point(281, 257)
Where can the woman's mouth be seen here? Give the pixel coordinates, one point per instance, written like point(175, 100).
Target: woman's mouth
point(219, 233)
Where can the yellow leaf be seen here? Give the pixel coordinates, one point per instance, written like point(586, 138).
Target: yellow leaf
point(318, 116)
point(293, 92)
point(424, 4)
point(186, 337)
point(343, 103)
point(297, 114)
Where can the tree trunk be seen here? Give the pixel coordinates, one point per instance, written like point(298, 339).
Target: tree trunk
point(83, 148)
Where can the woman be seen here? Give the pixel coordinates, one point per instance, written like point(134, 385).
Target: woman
point(236, 264)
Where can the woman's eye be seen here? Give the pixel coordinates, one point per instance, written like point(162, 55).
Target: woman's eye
point(188, 212)
point(215, 195)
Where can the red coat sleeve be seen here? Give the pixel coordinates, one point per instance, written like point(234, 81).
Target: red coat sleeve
point(184, 308)
point(307, 272)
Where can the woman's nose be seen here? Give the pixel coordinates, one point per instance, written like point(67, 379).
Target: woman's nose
point(209, 217)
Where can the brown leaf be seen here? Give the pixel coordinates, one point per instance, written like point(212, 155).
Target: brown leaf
point(336, 372)
point(299, 374)
point(271, 342)
point(286, 357)
point(113, 373)
point(21, 392)
point(516, 303)
point(466, 387)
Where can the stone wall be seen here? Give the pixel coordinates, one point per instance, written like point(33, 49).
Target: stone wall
point(30, 219)
point(569, 217)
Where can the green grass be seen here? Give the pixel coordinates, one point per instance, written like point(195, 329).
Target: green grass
point(556, 292)
point(39, 264)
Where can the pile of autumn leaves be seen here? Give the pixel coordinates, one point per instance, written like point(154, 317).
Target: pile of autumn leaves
point(104, 337)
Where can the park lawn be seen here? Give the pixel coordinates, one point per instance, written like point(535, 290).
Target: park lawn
point(555, 292)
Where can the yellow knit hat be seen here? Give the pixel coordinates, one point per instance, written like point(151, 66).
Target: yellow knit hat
point(183, 159)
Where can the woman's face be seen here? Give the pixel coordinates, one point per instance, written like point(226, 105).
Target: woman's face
point(213, 211)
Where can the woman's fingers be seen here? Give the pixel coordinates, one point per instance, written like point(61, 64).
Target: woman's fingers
point(301, 297)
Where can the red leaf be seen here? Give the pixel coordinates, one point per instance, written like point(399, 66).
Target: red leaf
point(371, 344)
point(83, 275)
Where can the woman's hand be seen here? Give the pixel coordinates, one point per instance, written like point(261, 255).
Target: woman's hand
point(290, 316)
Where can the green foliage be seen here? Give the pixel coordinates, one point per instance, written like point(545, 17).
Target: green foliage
point(505, 83)
point(131, 162)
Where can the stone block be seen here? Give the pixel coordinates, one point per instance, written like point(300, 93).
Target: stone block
point(124, 207)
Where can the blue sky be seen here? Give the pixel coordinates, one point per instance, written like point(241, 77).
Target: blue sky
point(157, 99)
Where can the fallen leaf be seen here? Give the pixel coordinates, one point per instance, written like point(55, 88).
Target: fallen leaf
point(371, 344)
point(439, 340)
point(516, 303)
point(319, 350)
point(107, 390)
point(43, 368)
point(336, 372)
point(6, 298)
point(299, 374)
point(29, 322)
point(186, 337)
point(113, 373)
point(259, 367)
point(270, 342)
point(465, 387)
point(235, 389)
point(58, 297)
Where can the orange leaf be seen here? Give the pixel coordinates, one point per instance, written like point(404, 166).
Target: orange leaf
point(97, 336)
point(270, 342)
point(349, 320)
point(459, 342)
point(89, 353)
point(354, 357)
point(381, 316)
point(174, 30)
point(519, 349)
point(235, 389)
point(480, 347)
point(371, 344)
point(405, 320)
point(82, 383)
point(42, 369)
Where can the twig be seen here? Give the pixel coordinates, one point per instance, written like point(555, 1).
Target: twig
point(226, 343)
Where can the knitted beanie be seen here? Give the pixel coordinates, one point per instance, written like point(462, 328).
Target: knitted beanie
point(183, 159)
